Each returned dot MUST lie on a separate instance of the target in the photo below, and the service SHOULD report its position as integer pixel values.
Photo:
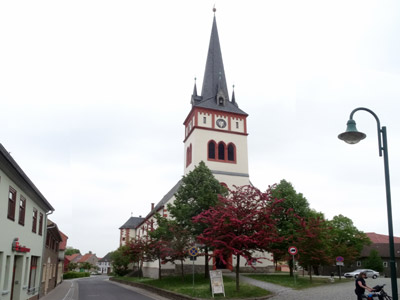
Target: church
(215, 133)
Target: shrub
(70, 275)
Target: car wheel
(374, 276)
(356, 276)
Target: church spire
(214, 75)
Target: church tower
(216, 128)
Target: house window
(231, 152)
(211, 150)
(237, 124)
(358, 263)
(221, 151)
(204, 120)
(34, 220)
(32, 273)
(22, 207)
(12, 196)
(385, 264)
(40, 224)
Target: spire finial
(131, 214)
(214, 9)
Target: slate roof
(214, 80)
(8, 158)
(106, 258)
(165, 199)
(132, 223)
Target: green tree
(72, 266)
(120, 261)
(71, 250)
(374, 261)
(293, 205)
(198, 192)
(346, 240)
(86, 266)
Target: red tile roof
(63, 244)
(381, 238)
(85, 257)
(73, 256)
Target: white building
(216, 133)
(104, 264)
(23, 221)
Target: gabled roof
(74, 257)
(381, 238)
(106, 258)
(6, 157)
(132, 223)
(165, 199)
(53, 229)
(86, 257)
(63, 244)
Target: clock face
(221, 123)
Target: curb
(172, 295)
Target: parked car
(370, 273)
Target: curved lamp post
(353, 136)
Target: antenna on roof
(131, 214)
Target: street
(98, 288)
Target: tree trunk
(290, 263)
(310, 271)
(159, 268)
(183, 276)
(237, 272)
(206, 266)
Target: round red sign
(292, 250)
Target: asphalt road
(100, 288)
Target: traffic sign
(193, 251)
(340, 263)
(340, 259)
(292, 250)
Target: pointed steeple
(214, 75)
(233, 96)
(195, 88)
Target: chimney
(152, 206)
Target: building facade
(215, 132)
(51, 259)
(23, 221)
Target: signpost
(340, 262)
(217, 283)
(293, 251)
(193, 252)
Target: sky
(93, 95)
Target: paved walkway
(67, 290)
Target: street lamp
(353, 136)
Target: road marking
(72, 288)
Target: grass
(201, 286)
(286, 280)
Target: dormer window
(221, 101)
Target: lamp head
(351, 135)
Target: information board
(217, 283)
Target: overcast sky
(93, 97)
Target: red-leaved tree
(313, 242)
(240, 224)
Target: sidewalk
(67, 290)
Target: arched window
(231, 152)
(211, 150)
(189, 155)
(221, 151)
